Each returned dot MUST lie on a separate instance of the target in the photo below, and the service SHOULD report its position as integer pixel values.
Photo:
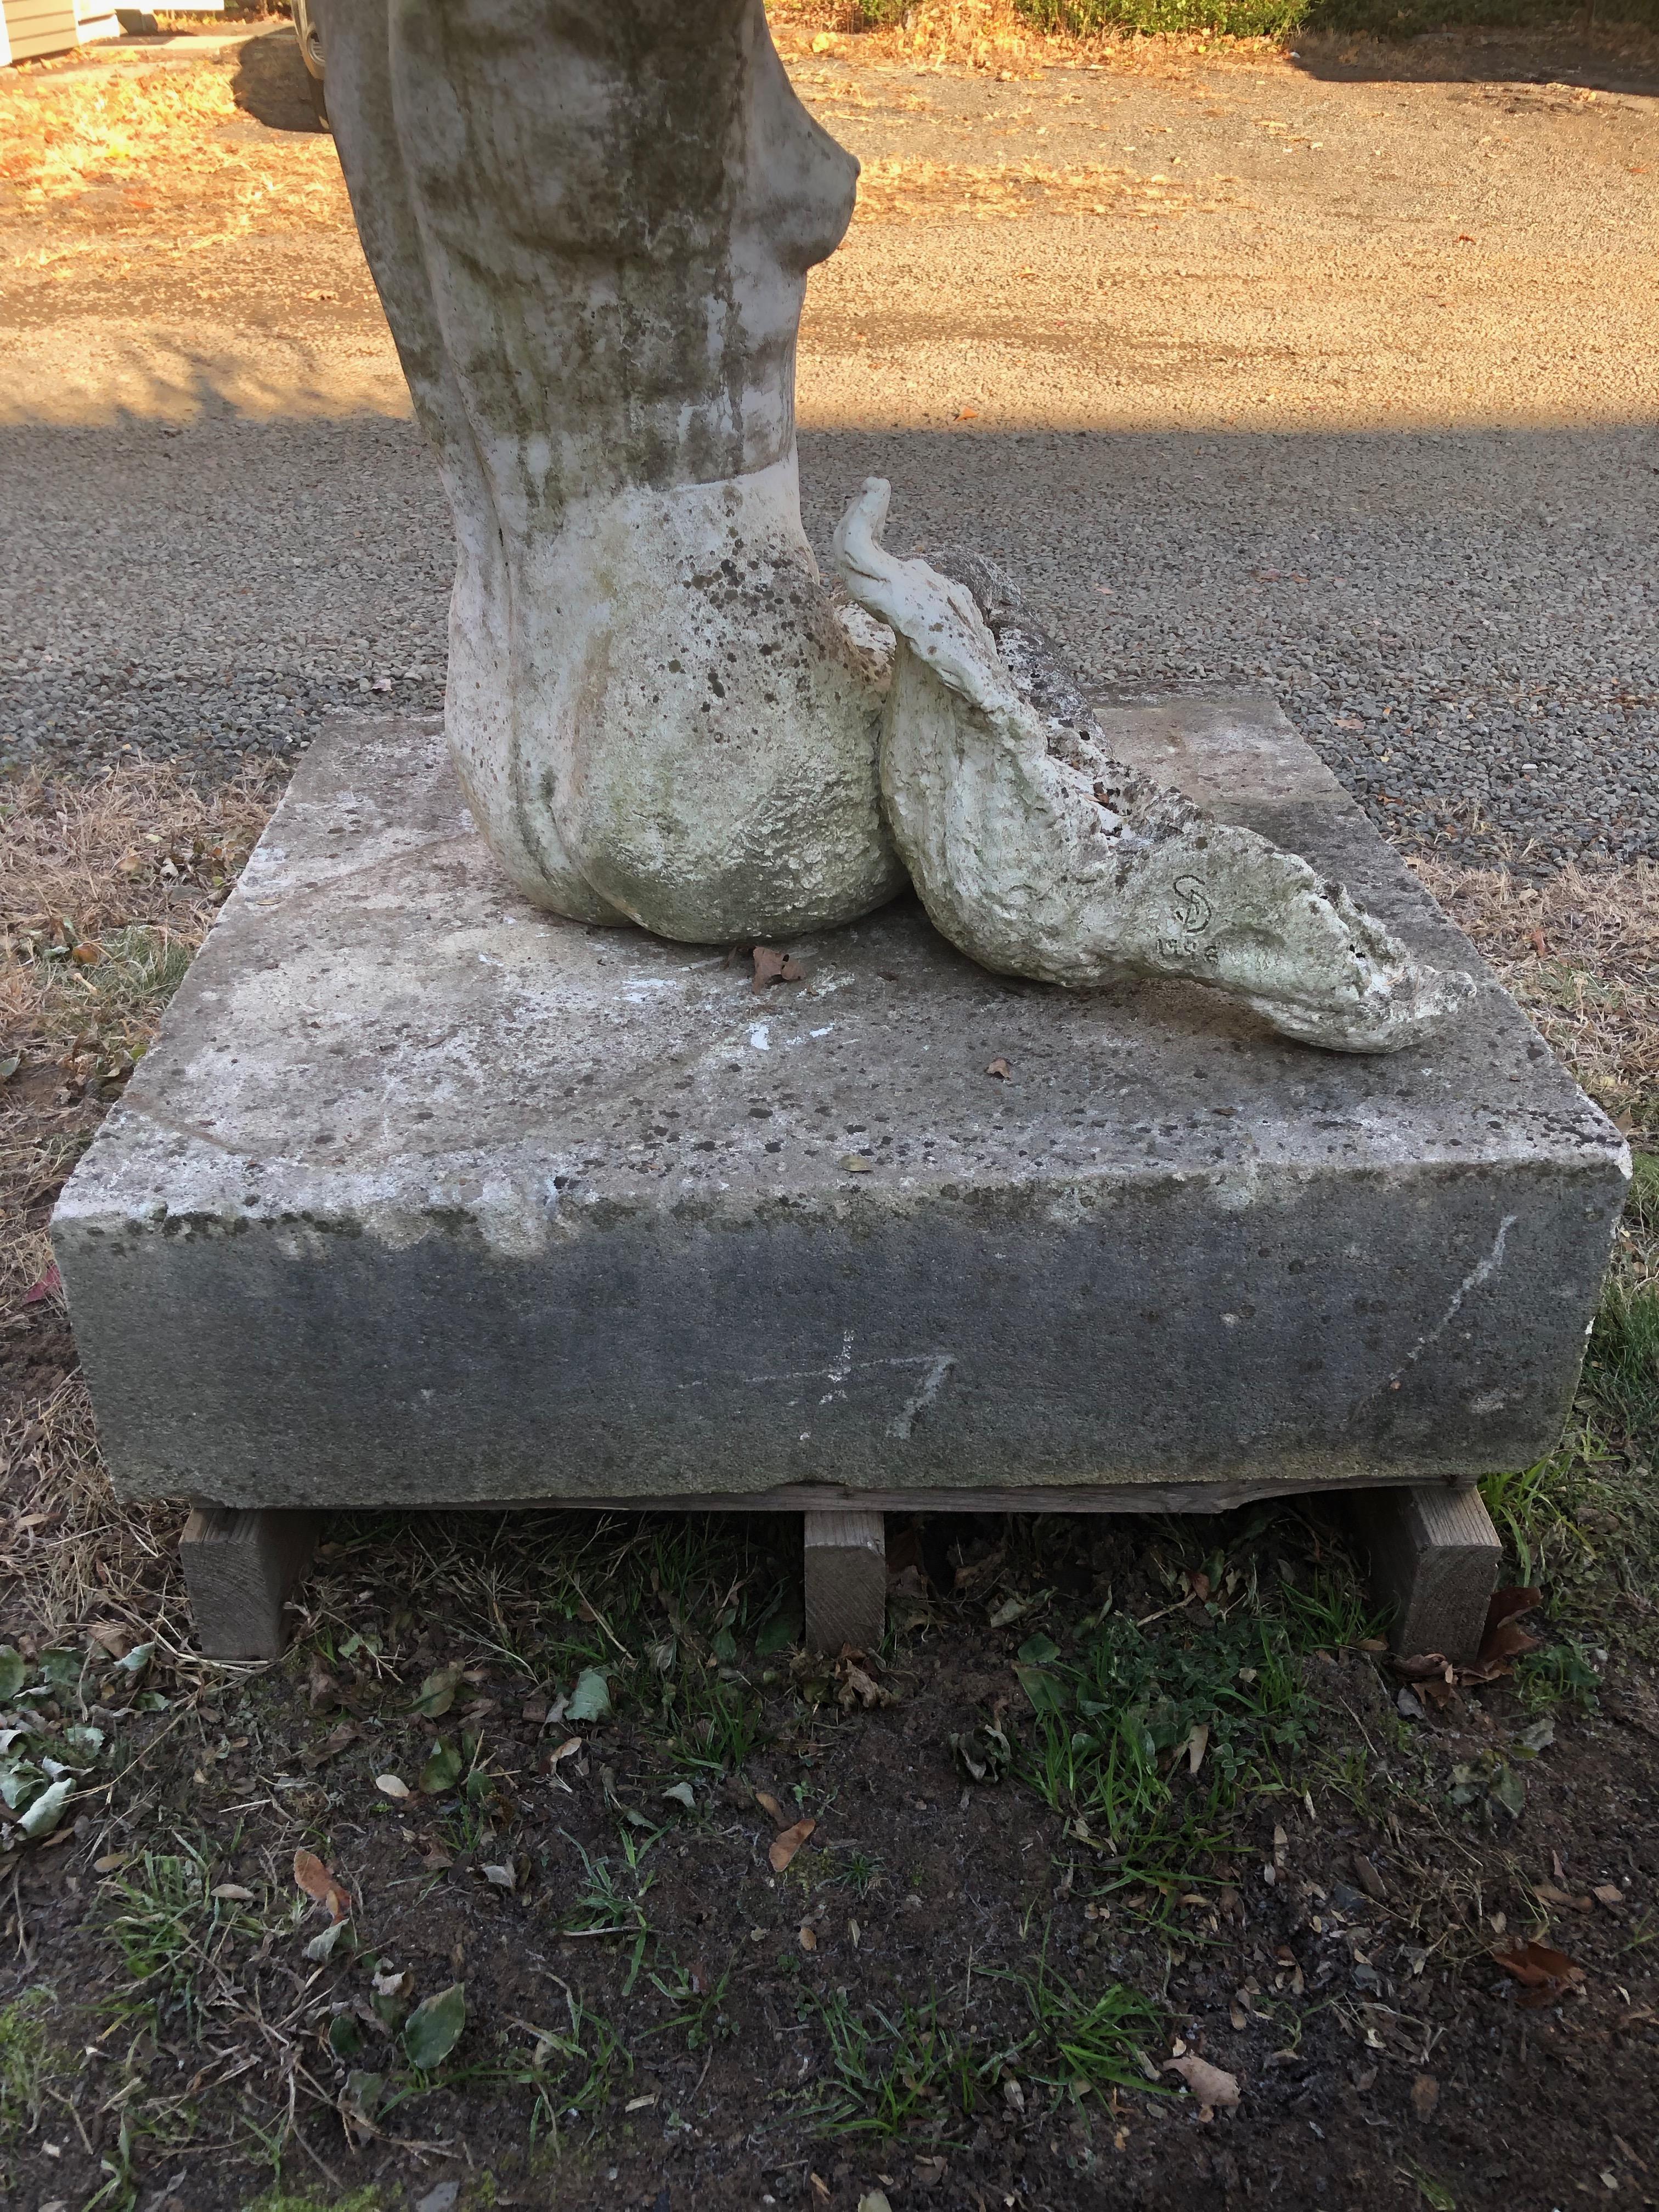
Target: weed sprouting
(1091, 2042)
(572, 2068)
(29, 2061)
(906, 2075)
(1565, 1674)
(1109, 1728)
(172, 1933)
(612, 1904)
(699, 2004)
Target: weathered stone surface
(424, 1196)
(1038, 853)
(591, 223)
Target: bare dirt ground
(1328, 377)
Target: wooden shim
(239, 1567)
(846, 1558)
(1434, 1556)
(1222, 1496)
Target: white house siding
(29, 27)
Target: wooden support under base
(846, 1581)
(239, 1569)
(1434, 1560)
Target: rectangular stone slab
(425, 1197)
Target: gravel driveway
(1268, 376)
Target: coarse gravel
(1465, 627)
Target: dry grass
(105, 891)
(1581, 953)
(984, 35)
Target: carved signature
(1192, 910)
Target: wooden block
(239, 1569)
(1434, 1560)
(846, 1581)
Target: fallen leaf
(819, 2186)
(1548, 1893)
(433, 2028)
(359, 2098)
(1001, 1069)
(438, 1692)
(47, 1809)
(1197, 1744)
(1369, 1881)
(683, 1793)
(392, 1785)
(568, 1749)
(337, 1741)
(1535, 938)
(322, 1947)
(442, 1770)
(873, 2200)
(233, 1892)
(640, 2104)
(591, 1698)
(1507, 1604)
(1210, 2085)
(1426, 2096)
(48, 1286)
(1543, 1972)
(785, 1846)
(315, 1878)
(1610, 1895)
(769, 1805)
(501, 1876)
(808, 1941)
(110, 1636)
(773, 966)
(966, 414)
(856, 1163)
(856, 1687)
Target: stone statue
(591, 223)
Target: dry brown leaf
(1369, 1881)
(785, 1846)
(1211, 2085)
(1543, 1972)
(773, 966)
(315, 1878)
(110, 1636)
(1426, 2096)
(1610, 1895)
(1001, 1069)
(809, 1939)
(1549, 1894)
(769, 1805)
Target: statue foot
(1038, 854)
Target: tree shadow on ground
(269, 84)
(1615, 57)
